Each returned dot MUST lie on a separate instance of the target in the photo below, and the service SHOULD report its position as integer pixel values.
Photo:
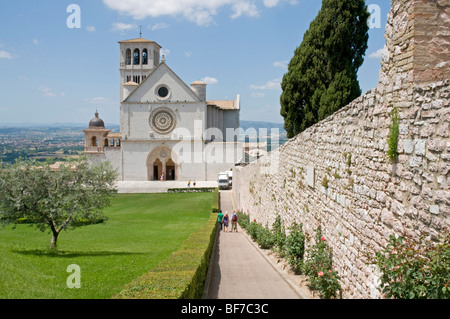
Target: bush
(392, 141)
(216, 201)
(295, 247)
(243, 219)
(318, 266)
(264, 237)
(191, 190)
(326, 283)
(415, 270)
(253, 230)
(279, 234)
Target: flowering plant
(318, 266)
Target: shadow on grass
(71, 254)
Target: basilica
(168, 130)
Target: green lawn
(142, 230)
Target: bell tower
(138, 57)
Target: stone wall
(336, 174)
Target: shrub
(216, 200)
(264, 237)
(295, 247)
(415, 270)
(318, 266)
(253, 230)
(392, 141)
(326, 283)
(243, 219)
(279, 234)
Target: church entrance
(157, 169)
(170, 170)
(160, 164)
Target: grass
(142, 231)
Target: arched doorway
(157, 169)
(170, 170)
(161, 161)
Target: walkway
(239, 270)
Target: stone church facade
(168, 130)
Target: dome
(96, 122)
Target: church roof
(131, 83)
(96, 122)
(139, 40)
(224, 105)
(198, 82)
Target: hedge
(182, 275)
(191, 190)
(216, 200)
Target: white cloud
(200, 12)
(258, 94)
(377, 54)
(98, 100)
(165, 52)
(244, 7)
(271, 3)
(210, 80)
(281, 64)
(47, 92)
(270, 85)
(123, 27)
(5, 55)
(90, 28)
(35, 41)
(159, 26)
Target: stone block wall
(336, 174)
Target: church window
(163, 91)
(145, 56)
(94, 141)
(136, 59)
(128, 57)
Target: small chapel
(168, 130)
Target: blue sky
(52, 73)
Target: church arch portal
(162, 161)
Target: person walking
(189, 184)
(220, 219)
(234, 219)
(225, 222)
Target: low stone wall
(336, 174)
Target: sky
(59, 60)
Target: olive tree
(52, 199)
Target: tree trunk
(54, 239)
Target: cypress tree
(322, 74)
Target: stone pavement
(239, 271)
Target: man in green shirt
(220, 219)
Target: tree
(68, 197)
(322, 74)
